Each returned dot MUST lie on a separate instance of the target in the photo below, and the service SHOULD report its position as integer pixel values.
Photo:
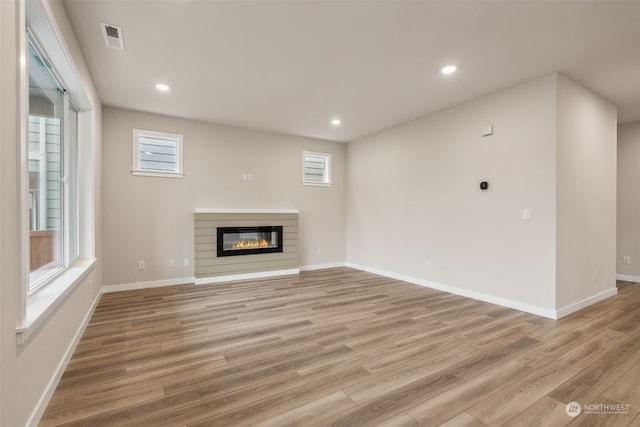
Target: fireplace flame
(253, 243)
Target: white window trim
(35, 307)
(137, 133)
(328, 182)
(46, 299)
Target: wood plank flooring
(342, 347)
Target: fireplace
(212, 263)
(234, 241)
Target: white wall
(628, 232)
(414, 209)
(29, 370)
(151, 219)
(414, 206)
(7, 133)
(586, 195)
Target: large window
(52, 160)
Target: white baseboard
(41, 406)
(634, 279)
(150, 284)
(571, 308)
(246, 276)
(322, 266)
(505, 302)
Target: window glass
(46, 165)
(157, 154)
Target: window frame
(71, 184)
(34, 309)
(67, 259)
(327, 181)
(137, 171)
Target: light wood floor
(344, 347)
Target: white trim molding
(246, 276)
(151, 284)
(245, 211)
(45, 301)
(572, 308)
(624, 278)
(505, 302)
(322, 266)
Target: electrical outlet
(319, 251)
(186, 262)
(595, 275)
(626, 260)
(140, 265)
(172, 263)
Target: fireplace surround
(250, 229)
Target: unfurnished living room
(319, 213)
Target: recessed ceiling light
(163, 87)
(336, 122)
(449, 69)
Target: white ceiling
(292, 66)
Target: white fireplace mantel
(245, 211)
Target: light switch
(526, 214)
(487, 130)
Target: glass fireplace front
(249, 240)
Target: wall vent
(112, 36)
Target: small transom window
(316, 169)
(157, 154)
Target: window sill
(157, 174)
(317, 184)
(45, 301)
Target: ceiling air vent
(112, 36)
